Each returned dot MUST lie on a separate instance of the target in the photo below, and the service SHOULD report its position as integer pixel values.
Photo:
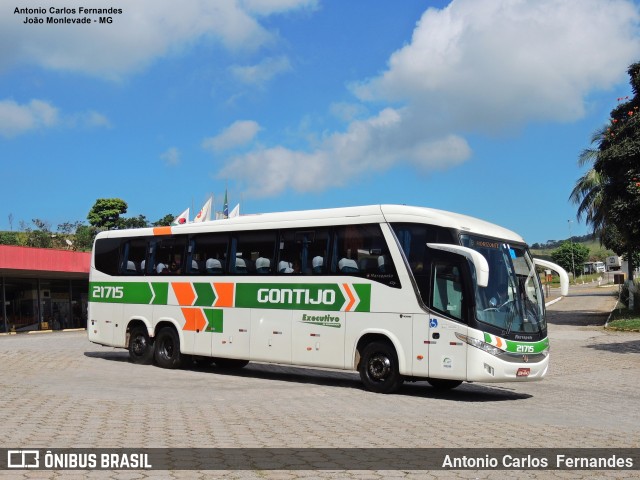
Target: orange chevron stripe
(498, 342)
(352, 299)
(190, 319)
(184, 293)
(224, 293)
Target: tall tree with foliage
(608, 195)
(165, 221)
(571, 256)
(106, 212)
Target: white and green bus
(394, 292)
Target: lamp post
(573, 263)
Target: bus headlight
(485, 347)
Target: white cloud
(368, 146)
(171, 157)
(144, 31)
(262, 72)
(490, 64)
(16, 119)
(347, 111)
(95, 119)
(474, 66)
(237, 134)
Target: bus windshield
(512, 300)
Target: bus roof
(334, 216)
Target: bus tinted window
(168, 255)
(413, 239)
(303, 251)
(448, 297)
(208, 254)
(254, 253)
(362, 250)
(107, 255)
(134, 253)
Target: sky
(480, 107)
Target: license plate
(523, 372)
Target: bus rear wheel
(140, 346)
(167, 349)
(442, 384)
(378, 368)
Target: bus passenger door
(447, 353)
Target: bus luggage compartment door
(271, 335)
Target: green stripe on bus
(526, 347)
(205, 294)
(364, 292)
(300, 296)
(214, 320)
(144, 293)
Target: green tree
(84, 237)
(608, 194)
(105, 213)
(133, 222)
(570, 254)
(41, 237)
(165, 221)
(9, 238)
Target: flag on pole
(235, 212)
(182, 218)
(225, 209)
(204, 214)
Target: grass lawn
(624, 319)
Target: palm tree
(588, 193)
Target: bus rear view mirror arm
(564, 277)
(476, 258)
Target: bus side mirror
(564, 277)
(478, 260)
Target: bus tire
(379, 369)
(140, 346)
(167, 349)
(442, 384)
(230, 363)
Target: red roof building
(43, 288)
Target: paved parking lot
(58, 390)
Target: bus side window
(447, 294)
(255, 253)
(303, 251)
(362, 250)
(107, 255)
(169, 255)
(208, 254)
(134, 253)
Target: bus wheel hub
(379, 367)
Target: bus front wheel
(140, 346)
(167, 349)
(378, 369)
